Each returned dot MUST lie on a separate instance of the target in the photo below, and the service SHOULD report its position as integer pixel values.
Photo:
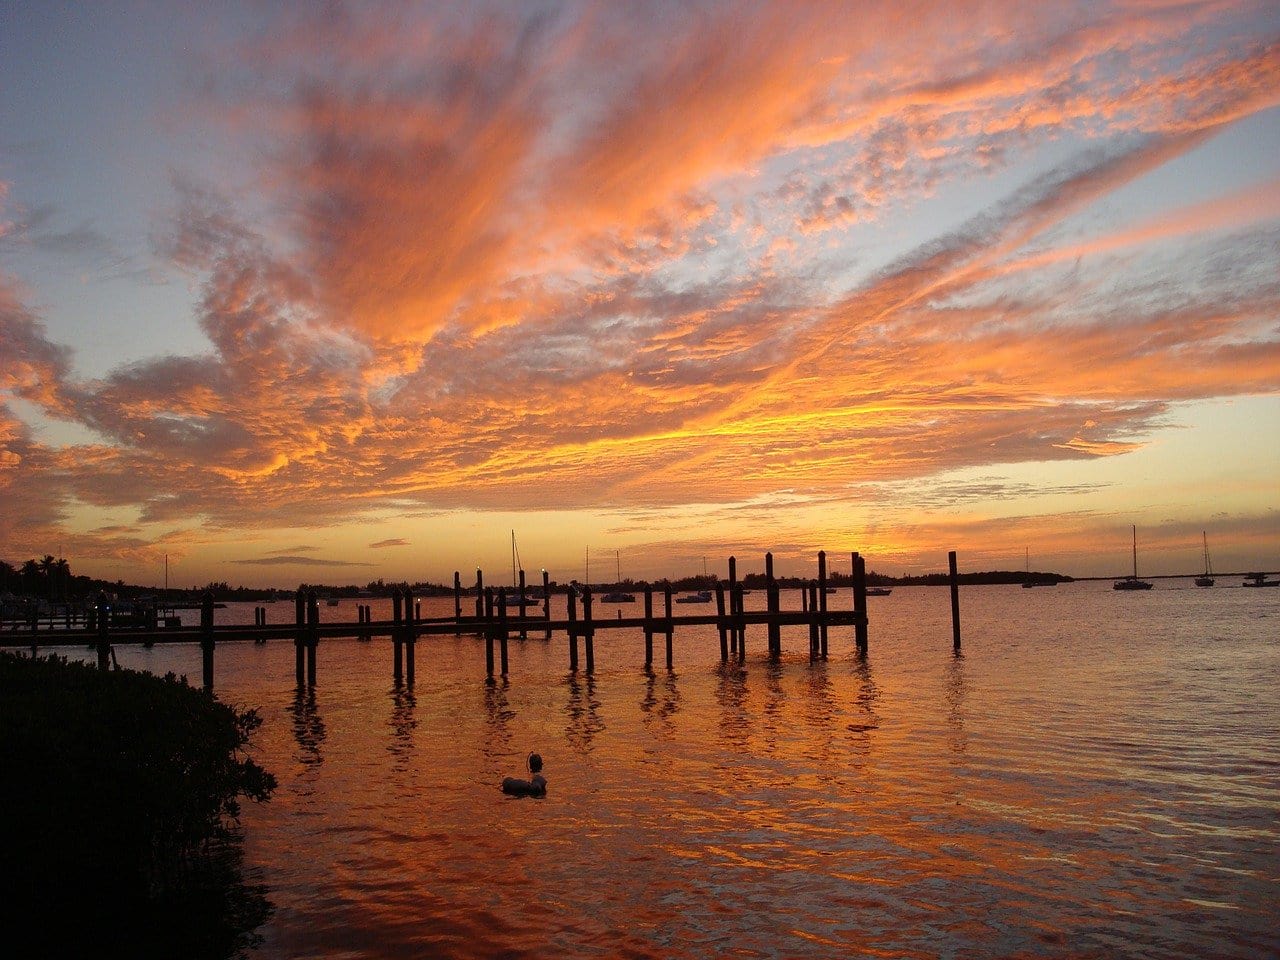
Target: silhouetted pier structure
(492, 621)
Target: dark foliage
(117, 815)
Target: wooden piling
(955, 600)
(720, 623)
(486, 600)
(480, 605)
(815, 615)
(670, 627)
(300, 636)
(648, 626)
(822, 601)
(104, 628)
(742, 627)
(411, 615)
(524, 613)
(503, 633)
(860, 601)
(546, 600)
(457, 603)
(313, 636)
(206, 639)
(735, 627)
(589, 630)
(573, 629)
(397, 618)
(773, 605)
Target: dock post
(666, 596)
(772, 602)
(822, 601)
(720, 622)
(480, 606)
(457, 603)
(397, 617)
(206, 639)
(589, 631)
(300, 636)
(104, 627)
(486, 600)
(313, 636)
(573, 629)
(734, 625)
(648, 626)
(410, 634)
(860, 602)
(524, 612)
(546, 600)
(740, 606)
(502, 626)
(815, 616)
(955, 600)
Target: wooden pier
(496, 626)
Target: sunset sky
(354, 293)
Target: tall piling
(648, 626)
(721, 624)
(411, 615)
(300, 636)
(397, 619)
(103, 614)
(206, 639)
(524, 613)
(733, 605)
(955, 600)
(772, 603)
(572, 600)
(503, 634)
(313, 636)
(589, 630)
(486, 602)
(546, 601)
(822, 601)
(859, 567)
(670, 627)
(457, 603)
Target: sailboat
(1206, 579)
(1036, 581)
(1132, 582)
(515, 598)
(698, 596)
(619, 595)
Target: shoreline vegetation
(51, 581)
(118, 825)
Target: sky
(356, 291)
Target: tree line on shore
(51, 580)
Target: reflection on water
(658, 712)
(956, 695)
(308, 728)
(583, 710)
(1009, 802)
(403, 722)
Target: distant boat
(618, 596)
(879, 591)
(1259, 580)
(1035, 581)
(702, 596)
(515, 598)
(1206, 579)
(1132, 582)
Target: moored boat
(1206, 578)
(1132, 582)
(1259, 580)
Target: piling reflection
(865, 716)
(957, 692)
(732, 695)
(658, 711)
(775, 698)
(497, 708)
(583, 710)
(308, 727)
(403, 722)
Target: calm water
(1097, 775)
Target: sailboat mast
(618, 557)
(1135, 551)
